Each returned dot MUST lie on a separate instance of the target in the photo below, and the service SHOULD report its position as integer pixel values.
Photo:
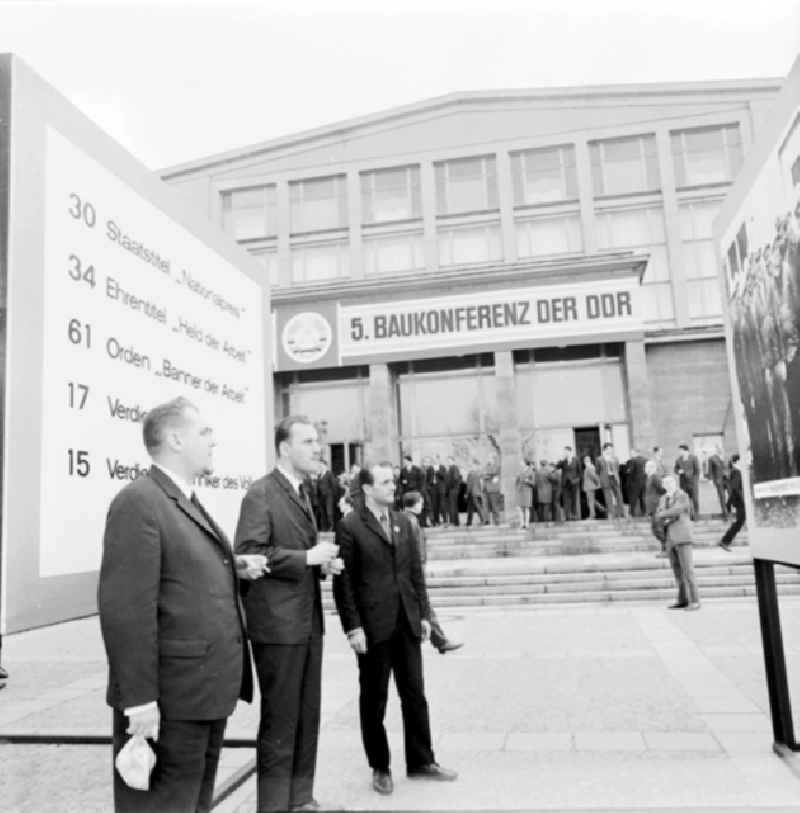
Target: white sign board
(135, 309)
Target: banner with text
(563, 312)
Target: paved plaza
(581, 707)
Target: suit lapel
(371, 521)
(290, 490)
(185, 505)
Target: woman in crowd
(525, 480)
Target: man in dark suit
(328, 491)
(383, 606)
(571, 484)
(735, 502)
(636, 483)
(284, 618)
(170, 617)
(717, 475)
(608, 472)
(687, 467)
(439, 492)
(452, 485)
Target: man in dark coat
(328, 495)
(735, 502)
(439, 493)
(170, 617)
(717, 473)
(383, 606)
(452, 485)
(687, 467)
(571, 484)
(636, 483)
(284, 617)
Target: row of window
(539, 176)
(641, 229)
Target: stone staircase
(578, 562)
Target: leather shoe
(311, 805)
(435, 772)
(677, 606)
(449, 646)
(695, 605)
(382, 782)
(3, 674)
(725, 546)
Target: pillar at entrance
(509, 438)
(380, 443)
(639, 397)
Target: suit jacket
(652, 494)
(689, 468)
(274, 521)
(674, 511)
(570, 470)
(440, 478)
(169, 606)
(634, 471)
(328, 485)
(474, 483)
(492, 478)
(379, 577)
(412, 479)
(453, 478)
(735, 492)
(606, 470)
(716, 469)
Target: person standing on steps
(735, 502)
(591, 483)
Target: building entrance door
(343, 455)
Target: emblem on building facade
(306, 337)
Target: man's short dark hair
(411, 498)
(407, 457)
(656, 449)
(365, 475)
(160, 417)
(683, 446)
(735, 457)
(283, 429)
(608, 445)
(568, 448)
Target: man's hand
(334, 567)
(358, 641)
(322, 553)
(251, 566)
(144, 721)
(426, 629)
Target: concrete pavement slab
(608, 741)
(681, 741)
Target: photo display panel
(137, 310)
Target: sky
(177, 81)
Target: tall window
(319, 262)
(700, 259)
(466, 185)
(544, 176)
(642, 229)
(250, 214)
(318, 204)
(393, 253)
(623, 166)
(706, 155)
(471, 244)
(559, 234)
(390, 194)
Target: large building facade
(506, 272)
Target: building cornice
(485, 98)
(459, 279)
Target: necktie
(387, 531)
